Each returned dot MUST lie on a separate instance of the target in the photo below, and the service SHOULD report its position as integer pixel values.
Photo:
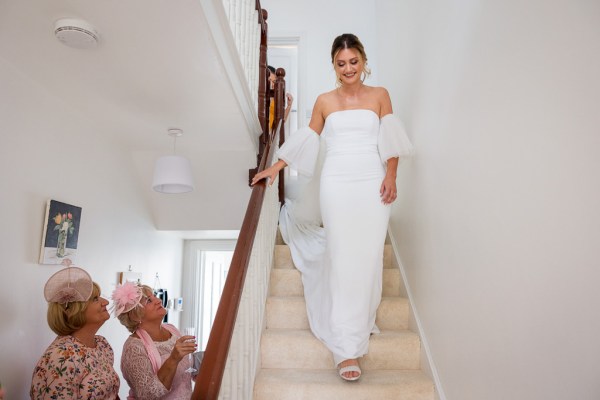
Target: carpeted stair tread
(283, 257)
(303, 384)
(288, 282)
(288, 348)
(289, 312)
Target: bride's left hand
(388, 190)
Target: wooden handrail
(212, 368)
(264, 91)
(279, 120)
(208, 382)
(263, 84)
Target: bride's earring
(363, 75)
(365, 72)
(338, 81)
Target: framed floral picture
(61, 233)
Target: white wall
(318, 23)
(498, 224)
(51, 151)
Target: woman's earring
(365, 72)
(338, 81)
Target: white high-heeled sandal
(349, 368)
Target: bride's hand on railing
(269, 173)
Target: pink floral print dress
(70, 370)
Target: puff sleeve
(392, 140)
(301, 150)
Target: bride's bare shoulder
(378, 92)
(326, 101)
(384, 101)
(327, 97)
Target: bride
(341, 262)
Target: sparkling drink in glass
(190, 331)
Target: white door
(283, 53)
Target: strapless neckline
(353, 109)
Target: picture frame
(130, 276)
(61, 233)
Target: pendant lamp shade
(173, 174)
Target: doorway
(282, 52)
(204, 272)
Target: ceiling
(156, 66)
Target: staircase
(295, 365)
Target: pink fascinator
(126, 297)
(68, 285)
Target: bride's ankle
(347, 362)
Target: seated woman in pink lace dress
(154, 359)
(78, 364)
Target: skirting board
(439, 392)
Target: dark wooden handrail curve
(279, 121)
(212, 368)
(264, 91)
(213, 364)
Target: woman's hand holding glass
(189, 343)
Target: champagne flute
(190, 331)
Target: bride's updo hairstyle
(350, 41)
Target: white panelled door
(204, 273)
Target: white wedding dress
(341, 262)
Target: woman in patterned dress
(78, 364)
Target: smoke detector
(76, 33)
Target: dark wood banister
(263, 87)
(264, 91)
(212, 368)
(208, 382)
(279, 121)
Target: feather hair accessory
(126, 297)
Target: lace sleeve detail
(301, 150)
(137, 371)
(392, 141)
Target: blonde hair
(64, 319)
(131, 319)
(350, 41)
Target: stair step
(286, 313)
(308, 384)
(290, 313)
(288, 348)
(288, 282)
(283, 257)
(279, 238)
